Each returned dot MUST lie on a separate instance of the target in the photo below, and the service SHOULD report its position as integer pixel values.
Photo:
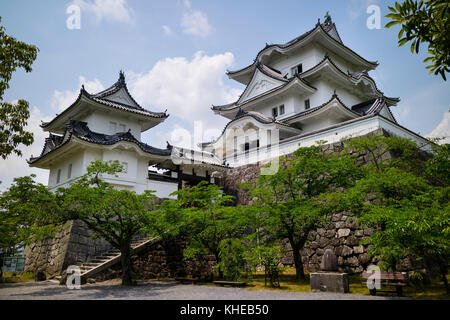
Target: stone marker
(329, 280)
(329, 261)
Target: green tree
(13, 116)
(411, 207)
(425, 22)
(202, 215)
(28, 213)
(292, 202)
(232, 258)
(114, 215)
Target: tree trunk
(299, 271)
(443, 270)
(125, 258)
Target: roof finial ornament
(334, 94)
(327, 17)
(318, 22)
(121, 76)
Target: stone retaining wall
(163, 259)
(341, 234)
(71, 245)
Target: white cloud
(196, 23)
(15, 166)
(187, 88)
(357, 7)
(111, 10)
(187, 4)
(63, 99)
(443, 129)
(167, 30)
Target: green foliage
(438, 167)
(202, 216)
(232, 260)
(115, 215)
(409, 206)
(294, 201)
(13, 116)
(268, 256)
(28, 213)
(425, 22)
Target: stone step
(109, 258)
(89, 264)
(99, 261)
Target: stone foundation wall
(48, 256)
(341, 234)
(163, 259)
(71, 245)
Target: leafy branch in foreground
(425, 22)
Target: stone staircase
(110, 258)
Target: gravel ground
(158, 290)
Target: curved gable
(259, 84)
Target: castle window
(275, 112)
(282, 109)
(307, 104)
(297, 70)
(69, 172)
(58, 176)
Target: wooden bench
(230, 283)
(388, 279)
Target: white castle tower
(309, 89)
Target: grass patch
(288, 283)
(10, 277)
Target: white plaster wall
(344, 65)
(353, 129)
(163, 189)
(77, 169)
(308, 56)
(100, 122)
(130, 157)
(325, 90)
(91, 155)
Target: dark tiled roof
(271, 72)
(354, 75)
(235, 105)
(81, 131)
(303, 113)
(373, 106)
(363, 107)
(255, 115)
(101, 98)
(326, 26)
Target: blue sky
(175, 54)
